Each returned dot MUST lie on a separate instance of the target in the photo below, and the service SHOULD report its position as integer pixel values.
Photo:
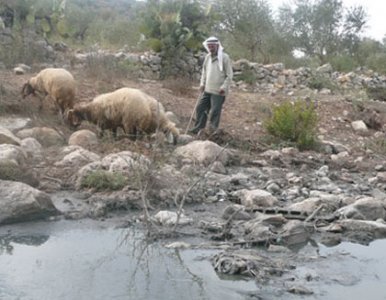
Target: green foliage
(174, 27)
(250, 25)
(376, 93)
(155, 44)
(247, 76)
(103, 180)
(377, 61)
(13, 172)
(10, 171)
(323, 28)
(294, 122)
(319, 81)
(343, 63)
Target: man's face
(212, 48)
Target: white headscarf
(214, 40)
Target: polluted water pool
(94, 260)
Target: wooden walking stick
(194, 110)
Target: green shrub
(343, 63)
(247, 76)
(294, 122)
(13, 172)
(10, 171)
(376, 62)
(103, 180)
(320, 81)
(376, 93)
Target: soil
(242, 117)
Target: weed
(9, 171)
(294, 122)
(377, 145)
(107, 67)
(376, 93)
(101, 180)
(180, 86)
(320, 81)
(13, 172)
(247, 76)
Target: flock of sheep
(130, 109)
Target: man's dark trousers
(208, 103)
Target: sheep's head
(172, 133)
(27, 90)
(73, 117)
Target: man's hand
(222, 92)
(202, 88)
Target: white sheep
(128, 108)
(58, 83)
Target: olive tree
(250, 25)
(323, 28)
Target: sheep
(58, 83)
(131, 109)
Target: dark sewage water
(93, 260)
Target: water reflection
(106, 263)
(90, 261)
(6, 241)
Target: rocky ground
(260, 194)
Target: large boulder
(257, 197)
(76, 157)
(12, 154)
(84, 138)
(367, 208)
(7, 137)
(20, 202)
(45, 136)
(32, 148)
(203, 152)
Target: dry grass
(179, 86)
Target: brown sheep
(58, 83)
(128, 108)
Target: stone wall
(253, 76)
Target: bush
(320, 81)
(377, 145)
(343, 63)
(377, 62)
(247, 76)
(103, 180)
(376, 93)
(294, 122)
(13, 172)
